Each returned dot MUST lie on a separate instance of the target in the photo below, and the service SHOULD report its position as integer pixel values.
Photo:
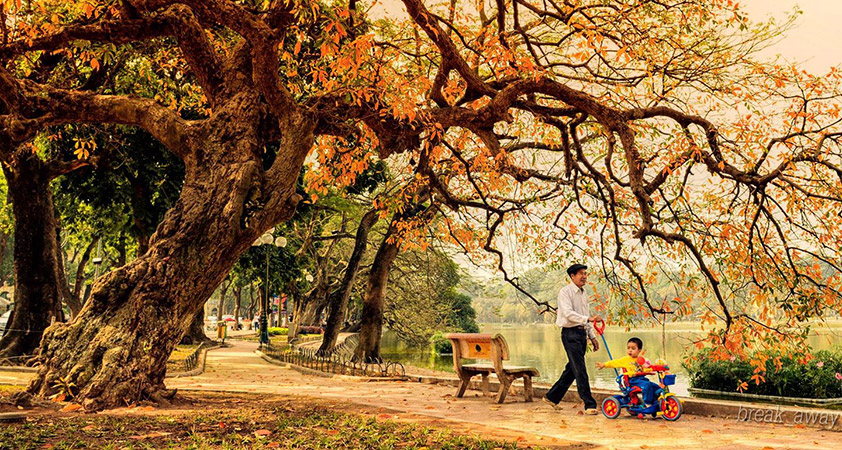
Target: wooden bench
(492, 348)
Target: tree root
(163, 397)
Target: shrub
(820, 377)
(440, 344)
(277, 331)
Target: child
(632, 364)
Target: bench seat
(494, 349)
(506, 368)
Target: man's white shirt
(573, 310)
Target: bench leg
(527, 388)
(505, 382)
(486, 386)
(463, 385)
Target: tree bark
(196, 333)
(338, 300)
(122, 256)
(238, 291)
(251, 307)
(4, 240)
(116, 350)
(73, 298)
(306, 310)
(35, 250)
(80, 279)
(294, 326)
(140, 205)
(221, 304)
(371, 325)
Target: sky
(815, 40)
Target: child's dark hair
(637, 342)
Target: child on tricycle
(657, 399)
(633, 365)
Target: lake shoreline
(539, 346)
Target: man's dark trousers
(575, 341)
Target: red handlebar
(599, 326)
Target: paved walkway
(239, 369)
(15, 377)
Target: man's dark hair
(572, 270)
(637, 342)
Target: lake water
(540, 346)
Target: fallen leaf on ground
(153, 435)
(71, 407)
(262, 433)
(273, 445)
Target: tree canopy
(641, 135)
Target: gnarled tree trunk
(338, 300)
(117, 348)
(196, 333)
(35, 249)
(371, 325)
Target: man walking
(574, 319)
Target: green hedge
(816, 379)
(277, 331)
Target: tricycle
(667, 405)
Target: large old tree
(39, 275)
(600, 116)
(117, 347)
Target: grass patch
(256, 425)
(276, 341)
(181, 352)
(6, 389)
(178, 356)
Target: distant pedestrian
(574, 319)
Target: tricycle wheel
(671, 408)
(611, 408)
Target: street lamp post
(267, 239)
